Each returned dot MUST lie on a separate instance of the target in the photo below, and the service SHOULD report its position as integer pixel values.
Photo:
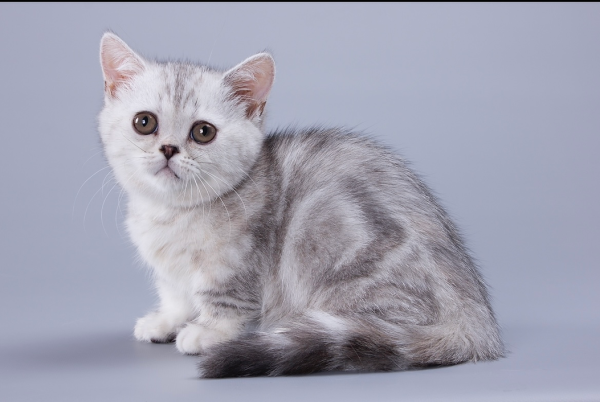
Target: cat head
(180, 133)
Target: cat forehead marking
(181, 82)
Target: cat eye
(145, 123)
(203, 132)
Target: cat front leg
(164, 324)
(207, 331)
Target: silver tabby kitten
(286, 253)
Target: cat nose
(169, 150)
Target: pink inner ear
(252, 80)
(119, 63)
(262, 82)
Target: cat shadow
(86, 351)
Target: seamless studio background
(496, 105)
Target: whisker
(90, 158)
(118, 208)
(102, 208)
(245, 173)
(191, 196)
(134, 144)
(242, 171)
(200, 194)
(225, 206)
(104, 180)
(88, 206)
(211, 51)
(184, 191)
(207, 193)
(78, 191)
(233, 189)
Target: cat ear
(251, 81)
(119, 63)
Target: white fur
(170, 218)
(334, 325)
(195, 337)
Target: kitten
(286, 253)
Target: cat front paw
(156, 327)
(193, 339)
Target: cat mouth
(167, 171)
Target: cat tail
(315, 342)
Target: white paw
(194, 338)
(156, 327)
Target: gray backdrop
(496, 105)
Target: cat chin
(167, 199)
(169, 192)
(166, 173)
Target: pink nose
(169, 150)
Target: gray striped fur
(315, 250)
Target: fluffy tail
(309, 345)
(320, 341)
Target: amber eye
(203, 132)
(145, 123)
